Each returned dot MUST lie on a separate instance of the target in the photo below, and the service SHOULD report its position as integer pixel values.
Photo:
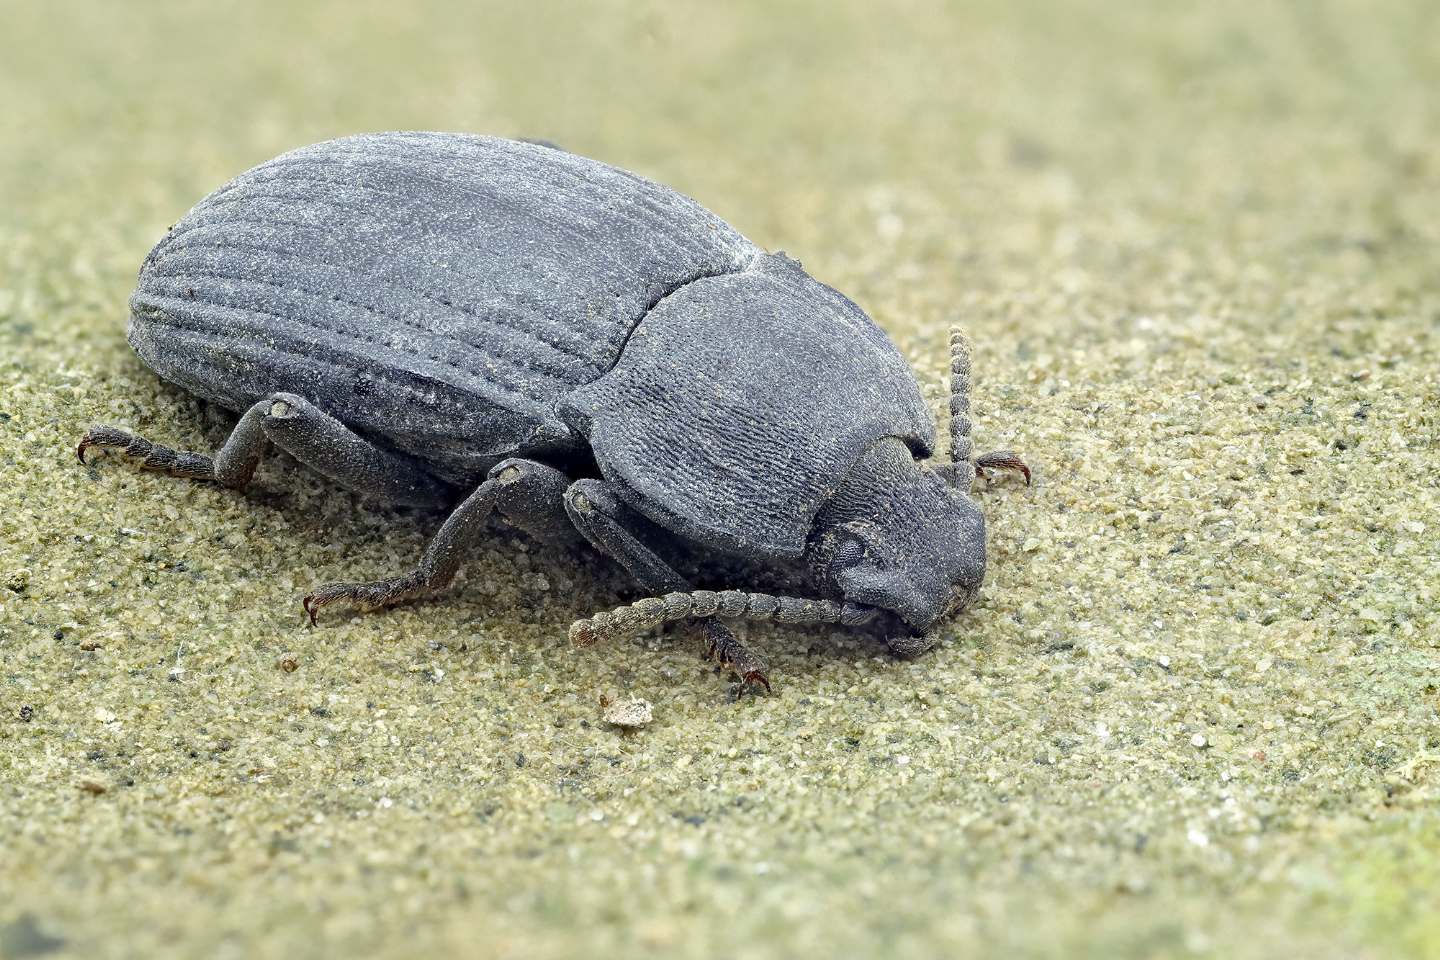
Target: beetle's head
(899, 538)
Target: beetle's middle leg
(528, 494)
(621, 533)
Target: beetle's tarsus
(726, 650)
(371, 595)
(105, 438)
(1001, 460)
(152, 456)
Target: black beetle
(500, 325)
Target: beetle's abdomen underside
(438, 292)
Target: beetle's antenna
(653, 612)
(962, 470)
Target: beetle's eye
(850, 551)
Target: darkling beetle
(501, 326)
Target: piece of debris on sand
(631, 713)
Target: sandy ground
(1194, 712)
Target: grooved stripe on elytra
(495, 392)
(502, 329)
(405, 163)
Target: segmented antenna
(962, 470)
(653, 612)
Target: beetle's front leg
(722, 646)
(527, 494)
(1001, 460)
(622, 534)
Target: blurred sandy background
(1194, 714)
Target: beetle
(503, 327)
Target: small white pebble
(630, 713)
(1198, 740)
(1198, 837)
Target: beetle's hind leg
(299, 428)
(525, 492)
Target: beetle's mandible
(493, 325)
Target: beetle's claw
(312, 604)
(101, 437)
(758, 679)
(324, 596)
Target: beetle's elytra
(498, 325)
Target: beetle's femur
(962, 470)
(653, 612)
